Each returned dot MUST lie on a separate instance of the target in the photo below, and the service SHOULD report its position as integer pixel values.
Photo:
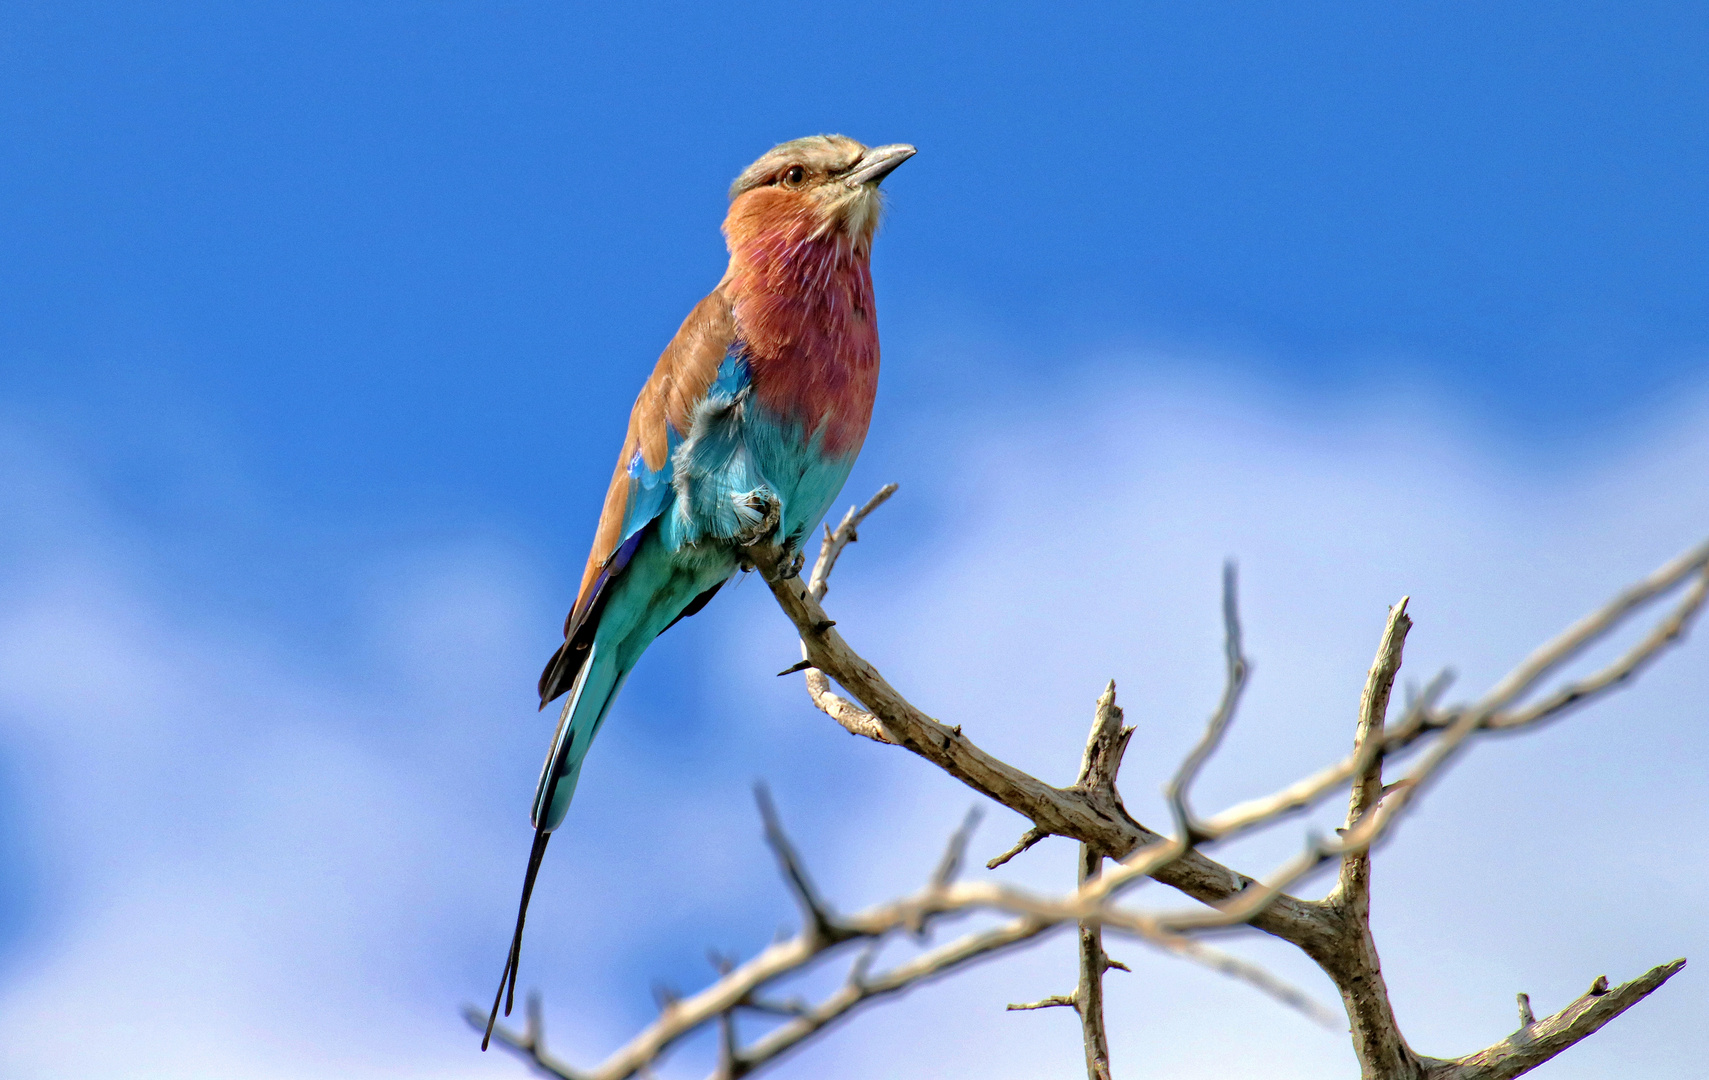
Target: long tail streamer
(507, 982)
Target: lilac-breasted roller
(746, 430)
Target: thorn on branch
(802, 665)
(1117, 965)
(863, 964)
(1599, 987)
(665, 995)
(823, 625)
(1526, 1016)
(1027, 840)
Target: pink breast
(806, 312)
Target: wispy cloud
(247, 863)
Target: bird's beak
(877, 163)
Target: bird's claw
(764, 506)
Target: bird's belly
(796, 467)
(733, 462)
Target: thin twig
(1306, 793)
(529, 1045)
(1083, 812)
(844, 535)
(819, 919)
(1633, 661)
(1055, 1001)
(1353, 889)
(1188, 831)
(1027, 840)
(949, 867)
(1089, 991)
(1358, 973)
(1594, 627)
(1539, 1040)
(1374, 824)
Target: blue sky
(319, 323)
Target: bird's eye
(794, 176)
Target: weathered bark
(1334, 932)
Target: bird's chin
(852, 214)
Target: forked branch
(740, 986)
(1334, 932)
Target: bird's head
(824, 187)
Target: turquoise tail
(654, 590)
(590, 699)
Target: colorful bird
(746, 431)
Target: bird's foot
(760, 513)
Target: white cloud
(1080, 538)
(249, 863)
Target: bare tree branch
(530, 1045)
(739, 984)
(949, 867)
(1578, 637)
(1266, 905)
(1053, 1002)
(1306, 793)
(1354, 886)
(1056, 811)
(1539, 1040)
(852, 717)
(1314, 927)
(1089, 991)
(1635, 660)
(1105, 746)
(817, 918)
(836, 541)
(1334, 932)
(1377, 1039)
(921, 969)
(730, 1064)
(1027, 840)
(1188, 830)
(856, 720)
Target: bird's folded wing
(641, 484)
